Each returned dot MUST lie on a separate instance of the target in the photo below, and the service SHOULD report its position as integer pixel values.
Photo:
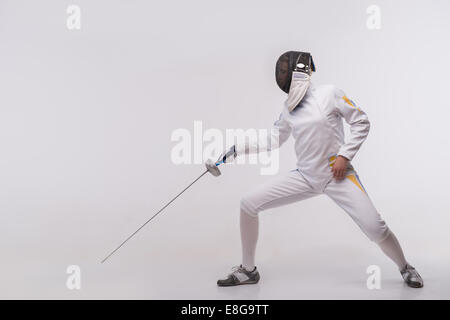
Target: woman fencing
(313, 115)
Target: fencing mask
(293, 75)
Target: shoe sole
(242, 283)
(414, 285)
(237, 284)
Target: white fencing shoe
(238, 276)
(412, 277)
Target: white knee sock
(249, 237)
(391, 247)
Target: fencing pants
(349, 194)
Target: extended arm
(275, 137)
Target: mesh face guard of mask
(289, 62)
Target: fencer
(314, 116)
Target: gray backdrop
(86, 118)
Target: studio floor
(334, 274)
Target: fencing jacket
(317, 127)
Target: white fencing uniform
(317, 127)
